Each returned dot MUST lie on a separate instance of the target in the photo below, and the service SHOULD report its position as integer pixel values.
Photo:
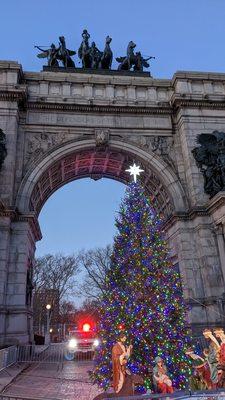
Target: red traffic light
(86, 327)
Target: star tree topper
(134, 170)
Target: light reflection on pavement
(45, 381)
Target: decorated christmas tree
(145, 297)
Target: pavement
(8, 375)
(49, 381)
(46, 381)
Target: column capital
(218, 229)
(32, 220)
(15, 216)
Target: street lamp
(47, 334)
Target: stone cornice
(165, 109)
(13, 94)
(162, 108)
(106, 79)
(33, 222)
(15, 216)
(197, 75)
(185, 216)
(118, 78)
(12, 66)
(216, 202)
(7, 212)
(191, 101)
(213, 204)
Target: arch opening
(78, 159)
(98, 163)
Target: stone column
(4, 254)
(199, 264)
(11, 94)
(18, 319)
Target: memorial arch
(63, 125)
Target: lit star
(134, 170)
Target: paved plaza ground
(45, 381)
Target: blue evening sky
(181, 34)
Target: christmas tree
(145, 297)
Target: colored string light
(144, 298)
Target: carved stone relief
(39, 143)
(160, 145)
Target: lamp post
(47, 333)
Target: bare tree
(95, 263)
(56, 272)
(91, 308)
(67, 312)
(54, 276)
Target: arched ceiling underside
(98, 163)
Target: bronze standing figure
(50, 54)
(84, 50)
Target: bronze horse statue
(127, 62)
(128, 387)
(64, 54)
(107, 55)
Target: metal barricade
(8, 356)
(78, 355)
(54, 353)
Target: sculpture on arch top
(84, 50)
(91, 57)
(210, 158)
(135, 60)
(141, 62)
(53, 54)
(127, 61)
(50, 54)
(64, 54)
(95, 55)
(107, 55)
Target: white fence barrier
(55, 353)
(48, 354)
(8, 356)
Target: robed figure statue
(120, 355)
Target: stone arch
(49, 173)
